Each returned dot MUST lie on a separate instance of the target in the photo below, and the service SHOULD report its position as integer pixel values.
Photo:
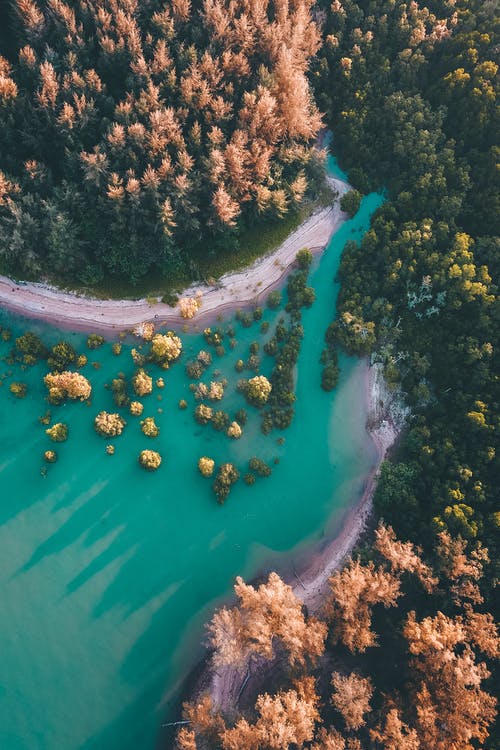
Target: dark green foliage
(350, 202)
(253, 363)
(214, 337)
(194, 369)
(395, 499)
(227, 475)
(304, 258)
(284, 346)
(274, 299)
(246, 318)
(62, 356)
(119, 388)
(241, 417)
(19, 390)
(257, 313)
(330, 373)
(31, 347)
(94, 341)
(220, 420)
(259, 467)
(299, 295)
(416, 114)
(170, 298)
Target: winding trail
(81, 313)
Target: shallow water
(107, 573)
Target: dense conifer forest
(409, 90)
(414, 110)
(133, 134)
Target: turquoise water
(107, 573)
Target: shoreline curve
(386, 417)
(233, 290)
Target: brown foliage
(203, 720)
(351, 697)
(482, 631)
(355, 590)
(225, 207)
(403, 557)
(284, 719)
(270, 611)
(328, 740)
(8, 87)
(186, 739)
(394, 734)
(68, 384)
(462, 570)
(452, 710)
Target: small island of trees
(109, 425)
(150, 460)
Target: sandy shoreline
(233, 290)
(386, 416)
(385, 421)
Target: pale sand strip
(386, 418)
(233, 290)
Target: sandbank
(386, 419)
(75, 312)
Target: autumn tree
(403, 557)
(287, 718)
(156, 128)
(204, 723)
(355, 590)
(351, 697)
(394, 734)
(452, 709)
(461, 567)
(328, 740)
(265, 614)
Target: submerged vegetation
(109, 425)
(58, 432)
(67, 384)
(150, 460)
(149, 427)
(274, 349)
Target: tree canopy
(133, 133)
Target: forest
(396, 661)
(409, 91)
(420, 292)
(136, 136)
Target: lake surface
(107, 573)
